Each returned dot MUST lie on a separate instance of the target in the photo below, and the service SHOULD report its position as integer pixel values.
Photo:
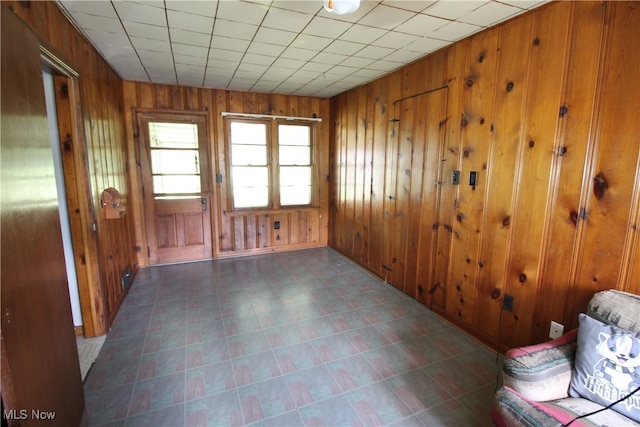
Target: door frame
(142, 116)
(77, 183)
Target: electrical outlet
(555, 330)
(507, 302)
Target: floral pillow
(607, 366)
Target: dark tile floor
(288, 339)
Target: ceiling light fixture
(341, 7)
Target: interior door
(39, 359)
(414, 194)
(175, 171)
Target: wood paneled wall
(545, 108)
(105, 164)
(243, 232)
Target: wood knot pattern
(600, 186)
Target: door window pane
(175, 158)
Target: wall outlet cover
(555, 330)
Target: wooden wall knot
(495, 293)
(469, 82)
(463, 122)
(481, 57)
(573, 216)
(564, 110)
(600, 185)
(532, 143)
(522, 278)
(510, 86)
(536, 41)
(448, 228)
(506, 221)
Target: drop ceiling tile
(325, 27)
(386, 17)
(455, 31)
(395, 40)
(367, 73)
(316, 66)
(189, 37)
(165, 79)
(203, 8)
(354, 61)
(265, 49)
(189, 81)
(228, 43)
(374, 52)
(421, 25)
(405, 56)
(118, 51)
(286, 20)
(235, 30)
(135, 76)
(128, 61)
(137, 12)
(344, 47)
(411, 5)
(490, 14)
(454, 9)
(342, 70)
(196, 61)
(155, 57)
(251, 70)
(219, 73)
(136, 29)
(97, 23)
(308, 7)
(240, 84)
(272, 36)
(277, 73)
(525, 4)
(254, 58)
(225, 55)
(104, 8)
(329, 58)
(362, 34)
(190, 50)
(264, 87)
(150, 44)
(294, 64)
(103, 38)
(239, 11)
(189, 21)
(296, 53)
(385, 66)
(307, 41)
(307, 74)
(426, 45)
(216, 81)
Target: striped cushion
(616, 308)
(542, 372)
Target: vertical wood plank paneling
(475, 132)
(612, 180)
(561, 240)
(537, 148)
(515, 40)
(533, 227)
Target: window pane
(294, 155)
(176, 184)
(173, 135)
(254, 197)
(294, 135)
(295, 185)
(295, 175)
(175, 162)
(295, 195)
(248, 154)
(248, 133)
(250, 176)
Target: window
(175, 159)
(271, 163)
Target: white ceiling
(280, 46)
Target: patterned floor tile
(367, 338)
(333, 347)
(353, 372)
(158, 393)
(331, 412)
(418, 391)
(283, 336)
(453, 377)
(247, 344)
(318, 328)
(296, 357)
(209, 380)
(377, 404)
(390, 361)
(423, 350)
(255, 368)
(450, 413)
(266, 399)
(207, 353)
(311, 385)
(219, 410)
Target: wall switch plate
(555, 330)
(507, 302)
(455, 177)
